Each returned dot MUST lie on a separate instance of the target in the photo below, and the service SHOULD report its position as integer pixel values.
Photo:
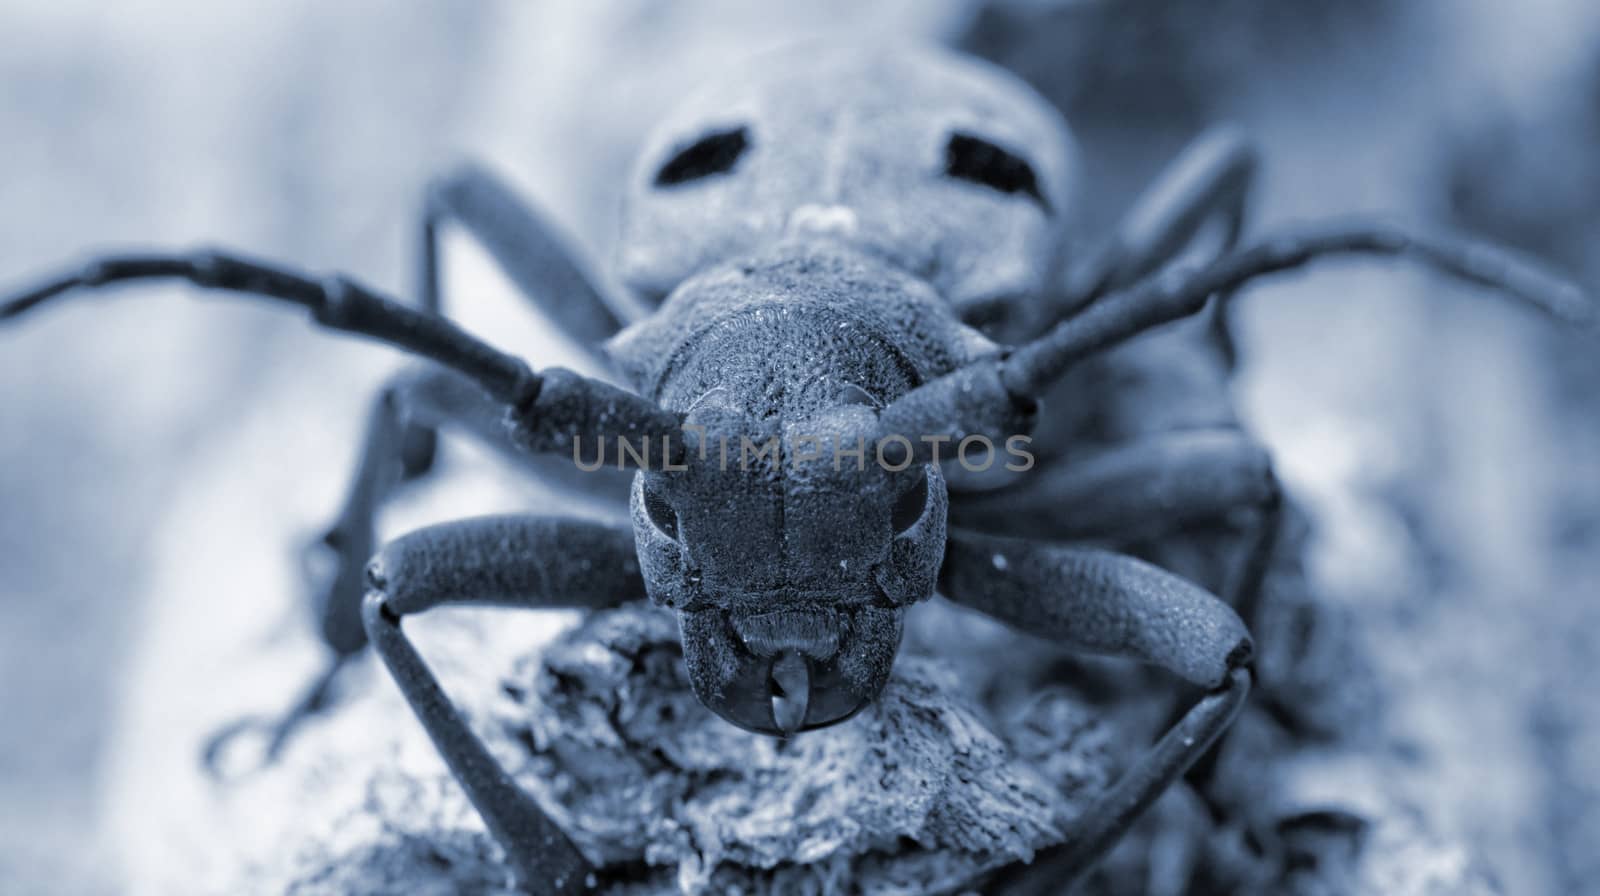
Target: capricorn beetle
(855, 248)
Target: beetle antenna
(334, 302)
(997, 396)
(1169, 296)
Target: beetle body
(945, 167)
(835, 242)
(813, 547)
(820, 222)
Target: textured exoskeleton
(862, 290)
(854, 144)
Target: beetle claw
(275, 731)
(217, 748)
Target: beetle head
(947, 167)
(788, 550)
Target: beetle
(859, 290)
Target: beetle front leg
(1146, 489)
(431, 397)
(421, 397)
(520, 561)
(1107, 603)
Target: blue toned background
(1449, 448)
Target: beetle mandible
(855, 259)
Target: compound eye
(991, 317)
(971, 158)
(909, 507)
(661, 514)
(850, 393)
(714, 153)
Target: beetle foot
(221, 761)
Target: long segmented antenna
(334, 302)
(1167, 297)
(994, 397)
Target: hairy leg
(1141, 489)
(423, 396)
(1107, 603)
(533, 562)
(528, 248)
(1144, 490)
(1147, 490)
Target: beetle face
(790, 573)
(945, 167)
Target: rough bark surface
(917, 794)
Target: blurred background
(1448, 447)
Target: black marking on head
(850, 393)
(714, 153)
(971, 158)
(661, 514)
(912, 503)
(991, 316)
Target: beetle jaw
(788, 671)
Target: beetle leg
(527, 247)
(426, 396)
(430, 397)
(530, 249)
(1139, 489)
(1145, 490)
(277, 731)
(1107, 603)
(1060, 868)
(1212, 177)
(520, 561)
(1111, 604)
(1142, 490)
(540, 412)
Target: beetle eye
(661, 514)
(975, 159)
(990, 317)
(912, 502)
(850, 393)
(714, 153)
